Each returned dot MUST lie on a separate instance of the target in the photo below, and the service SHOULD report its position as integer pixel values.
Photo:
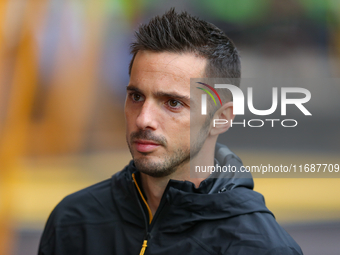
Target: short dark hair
(180, 33)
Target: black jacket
(222, 216)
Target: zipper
(153, 220)
(144, 245)
(141, 194)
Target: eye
(136, 97)
(174, 103)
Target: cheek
(197, 122)
(129, 121)
(131, 113)
(127, 116)
(179, 132)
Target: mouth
(145, 145)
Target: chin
(153, 168)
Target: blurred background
(63, 73)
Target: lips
(145, 146)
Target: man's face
(157, 110)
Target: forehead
(167, 70)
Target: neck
(155, 187)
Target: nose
(146, 118)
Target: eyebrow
(133, 88)
(160, 93)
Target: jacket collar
(220, 196)
(218, 181)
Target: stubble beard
(170, 162)
(165, 166)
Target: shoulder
(260, 233)
(254, 227)
(253, 233)
(80, 207)
(85, 204)
(91, 204)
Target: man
(154, 205)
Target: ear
(222, 119)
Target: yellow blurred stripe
(299, 200)
(41, 186)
